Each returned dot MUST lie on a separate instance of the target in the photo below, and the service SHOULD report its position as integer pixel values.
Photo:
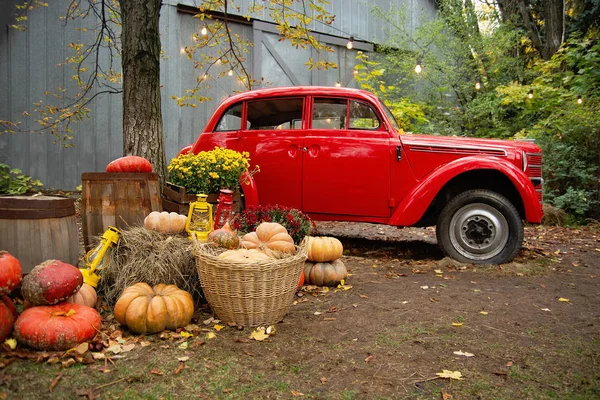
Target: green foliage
(12, 181)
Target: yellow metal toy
(95, 259)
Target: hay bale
(554, 216)
(147, 256)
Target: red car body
(336, 154)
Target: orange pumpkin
(324, 249)
(324, 274)
(244, 255)
(269, 236)
(165, 222)
(86, 296)
(145, 309)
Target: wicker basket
(250, 294)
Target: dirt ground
(528, 329)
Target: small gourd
(165, 222)
(324, 274)
(269, 236)
(224, 237)
(86, 296)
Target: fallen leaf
(405, 302)
(156, 372)
(463, 353)
(183, 359)
(371, 357)
(329, 319)
(446, 395)
(509, 364)
(82, 348)
(12, 343)
(545, 309)
(128, 347)
(317, 313)
(425, 287)
(457, 323)
(297, 394)
(115, 349)
(438, 271)
(211, 335)
(450, 374)
(55, 382)
(185, 334)
(434, 300)
(323, 380)
(180, 368)
(363, 296)
(483, 312)
(218, 327)
(70, 362)
(98, 356)
(564, 300)
(258, 334)
(270, 330)
(183, 346)
(443, 286)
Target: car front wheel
(481, 227)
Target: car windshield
(390, 116)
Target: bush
(12, 181)
(296, 222)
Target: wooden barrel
(38, 228)
(116, 199)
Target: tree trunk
(553, 24)
(142, 118)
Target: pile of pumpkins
(58, 311)
(323, 266)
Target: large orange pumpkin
(324, 249)
(146, 309)
(165, 222)
(129, 164)
(324, 274)
(57, 327)
(10, 273)
(269, 236)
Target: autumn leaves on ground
(407, 323)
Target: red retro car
(336, 154)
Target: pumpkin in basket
(146, 309)
(269, 236)
(224, 237)
(324, 249)
(324, 274)
(244, 255)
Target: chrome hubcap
(478, 231)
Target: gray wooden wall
(29, 68)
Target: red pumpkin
(51, 282)
(224, 237)
(58, 327)
(8, 315)
(129, 164)
(10, 273)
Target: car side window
(362, 116)
(329, 113)
(231, 119)
(280, 114)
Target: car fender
(186, 150)
(250, 190)
(414, 205)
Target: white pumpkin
(165, 222)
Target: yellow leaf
(450, 374)
(183, 346)
(438, 271)
(457, 323)
(218, 327)
(564, 300)
(211, 335)
(186, 334)
(12, 343)
(258, 334)
(483, 312)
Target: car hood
(455, 144)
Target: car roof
(300, 90)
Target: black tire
(480, 227)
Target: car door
(274, 138)
(346, 167)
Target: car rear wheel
(481, 227)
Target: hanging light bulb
(230, 72)
(530, 94)
(350, 43)
(418, 67)
(204, 31)
(477, 84)
(579, 99)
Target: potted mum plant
(206, 172)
